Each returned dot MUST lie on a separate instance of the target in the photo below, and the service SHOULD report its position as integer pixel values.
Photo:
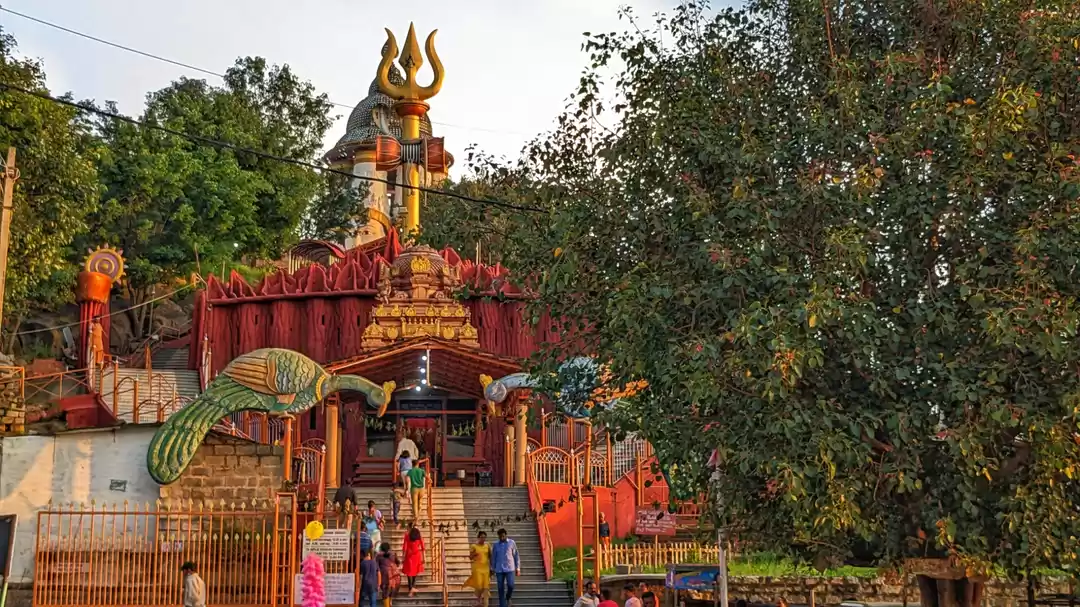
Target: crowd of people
(633, 596)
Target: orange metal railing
(131, 554)
(536, 504)
(442, 574)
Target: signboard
(340, 589)
(332, 546)
(654, 522)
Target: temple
(283, 391)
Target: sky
(510, 64)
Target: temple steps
(166, 390)
(171, 359)
(457, 512)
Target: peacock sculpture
(270, 380)
(581, 382)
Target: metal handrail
(536, 503)
(445, 586)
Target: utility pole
(10, 176)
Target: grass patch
(760, 565)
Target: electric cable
(229, 146)
(110, 314)
(206, 71)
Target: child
(369, 580)
(396, 495)
(404, 465)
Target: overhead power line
(229, 146)
(201, 70)
(127, 309)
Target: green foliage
(337, 211)
(173, 204)
(841, 246)
(502, 235)
(57, 188)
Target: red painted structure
(323, 311)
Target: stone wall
(833, 591)
(231, 470)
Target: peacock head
(377, 396)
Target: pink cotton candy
(314, 581)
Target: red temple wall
(331, 329)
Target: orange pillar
(288, 444)
(333, 444)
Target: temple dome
(373, 116)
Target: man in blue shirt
(505, 563)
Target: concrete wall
(885, 590)
(104, 466)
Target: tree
(497, 234)
(338, 210)
(58, 187)
(174, 204)
(840, 243)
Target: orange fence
(657, 555)
(248, 554)
(536, 504)
(131, 555)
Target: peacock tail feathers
(176, 441)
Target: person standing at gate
(506, 564)
(369, 580)
(412, 555)
(194, 587)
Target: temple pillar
(521, 439)
(333, 443)
(376, 202)
(92, 294)
(287, 442)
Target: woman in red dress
(412, 556)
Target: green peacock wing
(176, 441)
(293, 371)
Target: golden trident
(410, 61)
(410, 106)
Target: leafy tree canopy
(58, 187)
(840, 242)
(172, 203)
(338, 210)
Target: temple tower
(355, 152)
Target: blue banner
(703, 579)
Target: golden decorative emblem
(411, 60)
(448, 333)
(468, 331)
(420, 265)
(410, 311)
(106, 260)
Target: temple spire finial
(410, 103)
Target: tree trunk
(963, 592)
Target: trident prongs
(410, 61)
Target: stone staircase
(458, 512)
(173, 359)
(166, 388)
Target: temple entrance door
(425, 428)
